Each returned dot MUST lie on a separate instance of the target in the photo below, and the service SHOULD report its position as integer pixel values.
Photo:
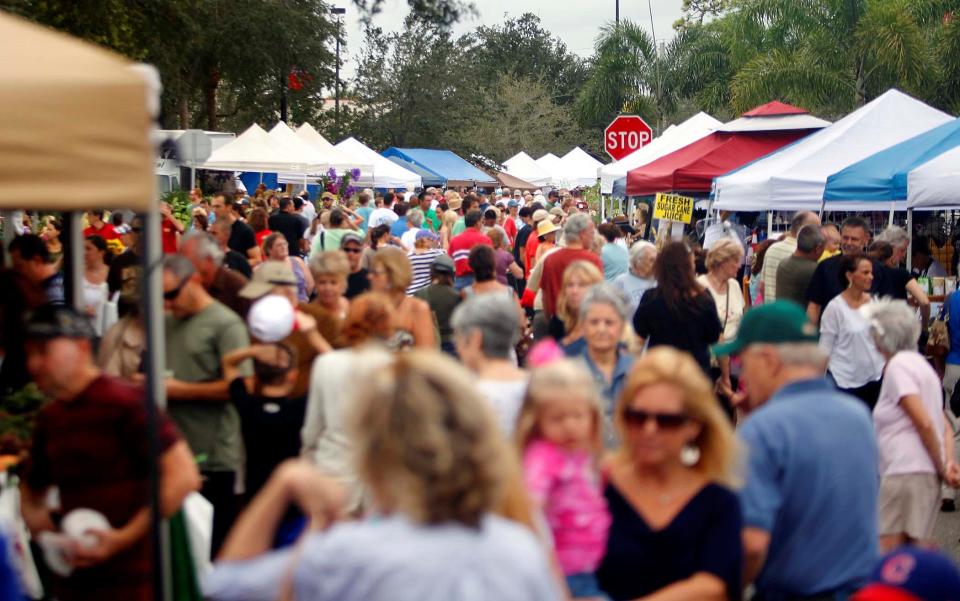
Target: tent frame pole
(909, 239)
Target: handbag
(938, 342)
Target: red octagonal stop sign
(626, 134)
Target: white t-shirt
(381, 216)
(506, 397)
(845, 337)
(899, 443)
(409, 237)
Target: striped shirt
(460, 247)
(420, 264)
(775, 254)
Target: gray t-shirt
(391, 558)
(793, 277)
(195, 350)
(633, 287)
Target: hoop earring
(690, 455)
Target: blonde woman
(436, 534)
(578, 278)
(723, 264)
(330, 270)
(390, 274)
(667, 488)
(446, 229)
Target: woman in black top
(679, 312)
(676, 526)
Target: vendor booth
(449, 169)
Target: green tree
(518, 114)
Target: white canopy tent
(282, 134)
(255, 150)
(338, 159)
(579, 168)
(673, 138)
(936, 184)
(386, 173)
(522, 165)
(551, 164)
(794, 177)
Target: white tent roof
(936, 184)
(523, 166)
(794, 177)
(254, 150)
(673, 138)
(338, 159)
(386, 173)
(775, 123)
(282, 134)
(579, 168)
(551, 164)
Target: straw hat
(539, 215)
(545, 227)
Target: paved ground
(947, 533)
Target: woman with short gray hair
(639, 278)
(604, 314)
(486, 329)
(914, 438)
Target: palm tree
(831, 55)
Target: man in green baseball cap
(810, 498)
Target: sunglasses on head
(665, 421)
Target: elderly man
(578, 233)
(781, 250)
(795, 272)
(639, 278)
(461, 245)
(900, 282)
(223, 284)
(200, 331)
(810, 499)
(90, 444)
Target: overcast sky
(576, 22)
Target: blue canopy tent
(429, 177)
(882, 177)
(450, 168)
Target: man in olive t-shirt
(199, 332)
(795, 272)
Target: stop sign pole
(626, 134)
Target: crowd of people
(487, 396)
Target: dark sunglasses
(665, 421)
(353, 251)
(175, 292)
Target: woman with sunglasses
(667, 488)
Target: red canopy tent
(692, 168)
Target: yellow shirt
(826, 255)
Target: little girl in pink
(559, 434)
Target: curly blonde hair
(427, 444)
(584, 270)
(722, 251)
(562, 377)
(716, 441)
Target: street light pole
(618, 11)
(339, 11)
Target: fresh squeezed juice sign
(673, 207)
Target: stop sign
(626, 134)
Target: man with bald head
(781, 250)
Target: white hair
(605, 293)
(893, 324)
(894, 235)
(639, 249)
(799, 354)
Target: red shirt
(106, 232)
(553, 267)
(168, 233)
(510, 226)
(460, 247)
(94, 448)
(530, 251)
(261, 236)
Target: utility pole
(339, 11)
(618, 11)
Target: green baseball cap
(780, 322)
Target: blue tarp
(883, 176)
(429, 177)
(443, 164)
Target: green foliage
(179, 201)
(17, 414)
